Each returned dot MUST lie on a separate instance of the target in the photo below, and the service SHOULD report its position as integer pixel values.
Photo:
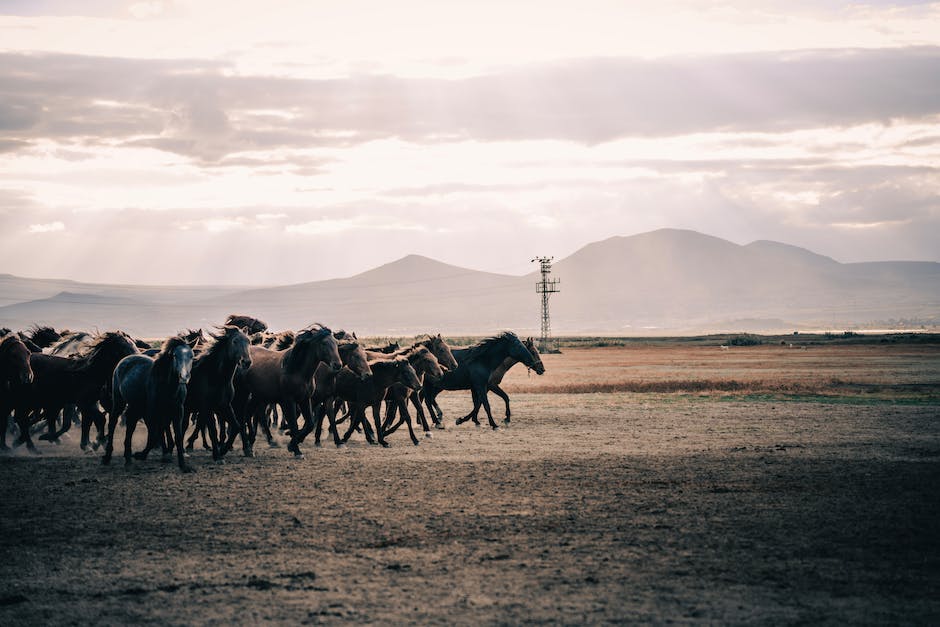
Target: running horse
(152, 389)
(15, 377)
(285, 378)
(475, 366)
(211, 389)
(60, 382)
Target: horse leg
(377, 419)
(391, 409)
(473, 413)
(226, 416)
(90, 415)
(486, 407)
(419, 411)
(117, 409)
(437, 416)
(130, 424)
(197, 427)
(154, 435)
(354, 419)
(406, 418)
(4, 425)
(498, 391)
(289, 408)
(179, 434)
(265, 420)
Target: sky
(226, 142)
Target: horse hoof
(506, 422)
(415, 442)
(189, 447)
(428, 434)
(273, 444)
(385, 444)
(340, 445)
(439, 425)
(187, 469)
(495, 427)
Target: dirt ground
(590, 508)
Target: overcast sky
(212, 141)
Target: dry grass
(883, 369)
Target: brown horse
(286, 378)
(360, 394)
(355, 362)
(445, 357)
(15, 377)
(426, 365)
(59, 382)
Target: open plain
(647, 483)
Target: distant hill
(662, 281)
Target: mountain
(667, 280)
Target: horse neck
(493, 357)
(308, 366)
(504, 366)
(384, 373)
(218, 366)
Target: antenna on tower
(546, 287)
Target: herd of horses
(229, 383)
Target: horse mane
(43, 336)
(104, 344)
(216, 342)
(249, 324)
(295, 356)
(483, 347)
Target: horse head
(354, 357)
(406, 374)
(425, 361)
(539, 368)
(518, 351)
(442, 352)
(14, 361)
(236, 344)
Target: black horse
(15, 377)
(475, 366)
(155, 390)
(210, 387)
(60, 382)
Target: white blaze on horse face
(184, 358)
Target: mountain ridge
(669, 279)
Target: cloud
(334, 226)
(50, 227)
(195, 109)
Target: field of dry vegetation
(645, 483)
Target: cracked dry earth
(591, 508)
